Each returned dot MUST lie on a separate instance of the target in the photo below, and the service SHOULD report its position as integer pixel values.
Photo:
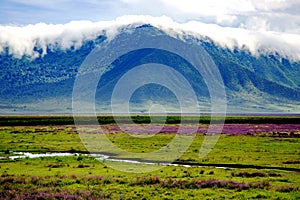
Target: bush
(248, 174)
(286, 188)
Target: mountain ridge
(253, 82)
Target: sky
(254, 23)
(276, 15)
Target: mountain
(253, 84)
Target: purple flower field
(280, 130)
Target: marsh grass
(239, 149)
(84, 177)
(33, 180)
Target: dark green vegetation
(259, 166)
(140, 119)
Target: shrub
(149, 180)
(286, 188)
(83, 166)
(56, 165)
(211, 173)
(248, 174)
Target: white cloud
(211, 7)
(270, 15)
(279, 15)
(21, 40)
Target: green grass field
(258, 166)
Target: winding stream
(100, 157)
(104, 157)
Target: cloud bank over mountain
(33, 40)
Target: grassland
(258, 166)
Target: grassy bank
(262, 161)
(260, 150)
(83, 177)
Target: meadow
(255, 158)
